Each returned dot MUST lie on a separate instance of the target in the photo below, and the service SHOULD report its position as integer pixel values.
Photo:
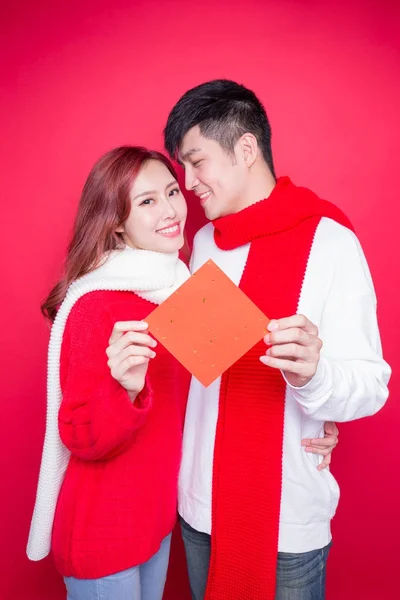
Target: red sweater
(119, 496)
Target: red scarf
(247, 472)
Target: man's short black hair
(224, 110)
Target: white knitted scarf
(151, 275)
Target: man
(255, 511)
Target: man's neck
(260, 186)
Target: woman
(121, 419)
(106, 501)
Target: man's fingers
(282, 364)
(303, 369)
(290, 351)
(122, 327)
(299, 321)
(292, 335)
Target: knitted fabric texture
(151, 275)
(247, 470)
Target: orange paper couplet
(208, 323)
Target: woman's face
(158, 211)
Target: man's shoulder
(334, 238)
(336, 249)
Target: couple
(255, 501)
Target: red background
(81, 78)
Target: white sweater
(351, 382)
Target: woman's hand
(129, 353)
(324, 446)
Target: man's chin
(211, 214)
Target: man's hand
(325, 445)
(294, 348)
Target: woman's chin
(168, 245)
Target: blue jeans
(298, 576)
(144, 582)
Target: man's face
(216, 177)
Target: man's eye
(197, 162)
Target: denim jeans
(144, 582)
(298, 576)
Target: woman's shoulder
(108, 306)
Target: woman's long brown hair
(104, 206)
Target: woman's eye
(146, 201)
(174, 192)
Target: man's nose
(191, 180)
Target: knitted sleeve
(352, 376)
(97, 419)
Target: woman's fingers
(130, 338)
(130, 350)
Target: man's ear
(249, 147)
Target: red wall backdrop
(81, 78)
